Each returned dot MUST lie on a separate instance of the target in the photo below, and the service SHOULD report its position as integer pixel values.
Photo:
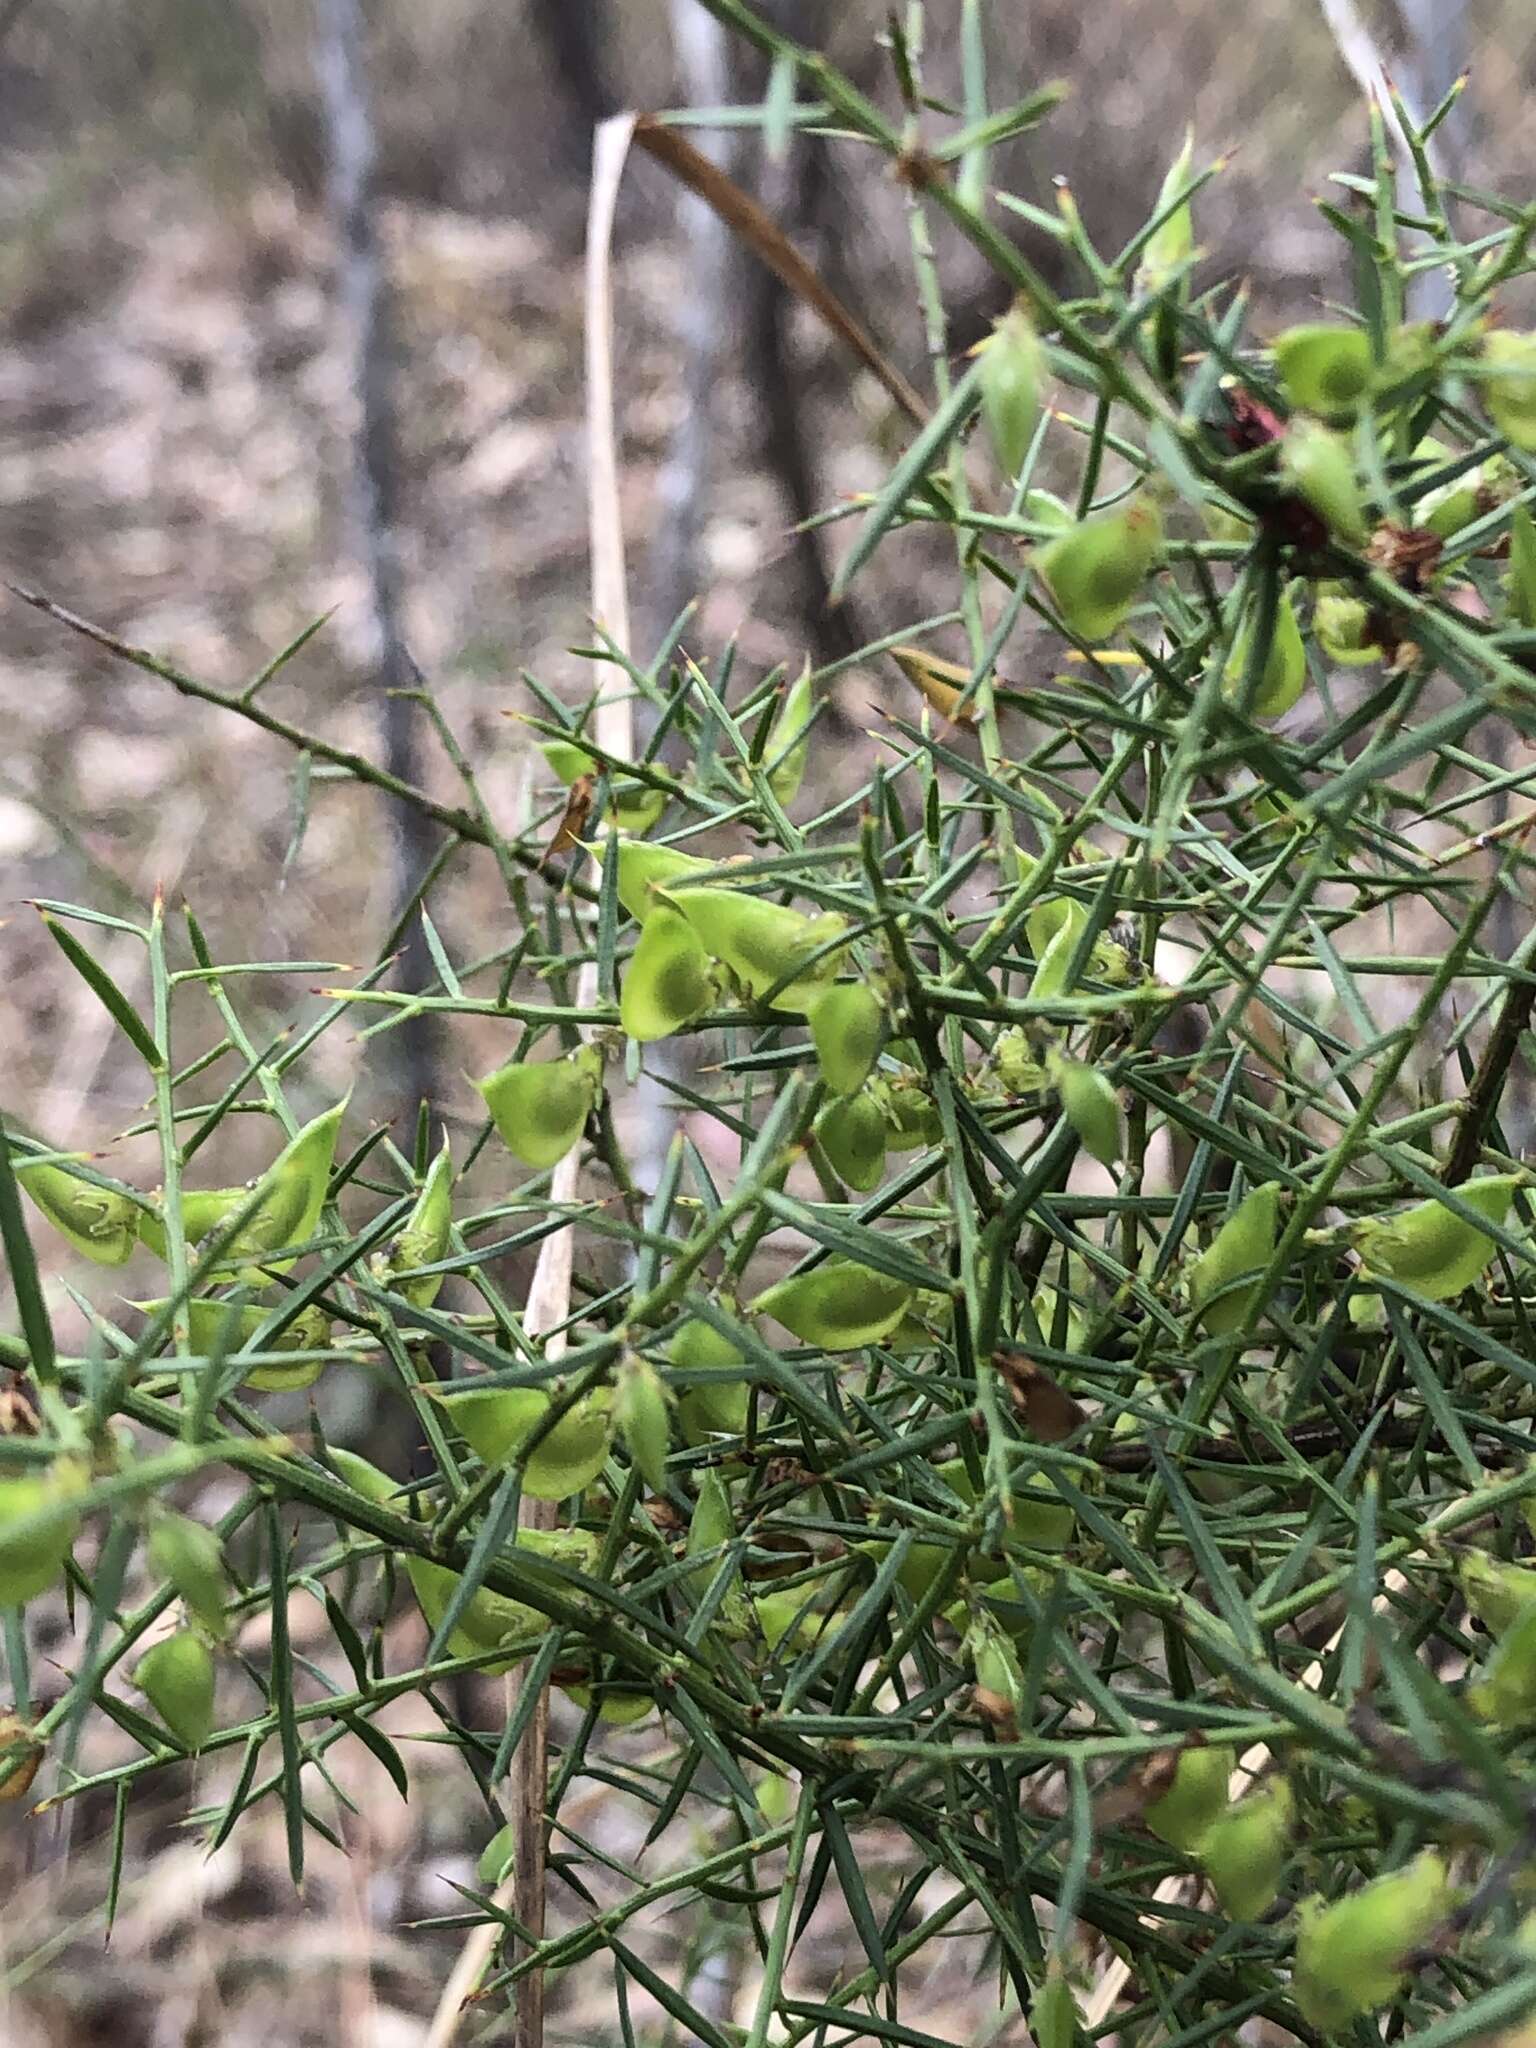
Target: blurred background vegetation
(177, 418)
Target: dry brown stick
(768, 242)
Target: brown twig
(1482, 1096)
(768, 242)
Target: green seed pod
(31, 1561)
(840, 1306)
(1244, 1244)
(999, 1675)
(719, 1407)
(1509, 386)
(1319, 466)
(789, 739)
(643, 868)
(1044, 508)
(1244, 1850)
(1506, 1695)
(1017, 1068)
(1428, 1250)
(366, 1479)
(1053, 2013)
(911, 1118)
(1285, 666)
(1052, 979)
(1520, 583)
(1049, 918)
(176, 1677)
(100, 1223)
(1343, 627)
(540, 1107)
(1197, 1795)
(1169, 247)
(424, 1240)
(1495, 1592)
(216, 1327)
(496, 1422)
(852, 1134)
(293, 1190)
(491, 1620)
(847, 1025)
(636, 805)
(668, 981)
(1095, 571)
(640, 1409)
(1446, 510)
(1350, 1954)
(763, 942)
(620, 1705)
(496, 1857)
(1009, 382)
(781, 1617)
(202, 1211)
(191, 1557)
(1038, 1524)
(1324, 369)
(1090, 1105)
(1223, 521)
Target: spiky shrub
(1064, 1394)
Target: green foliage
(1063, 1396)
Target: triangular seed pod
(1009, 381)
(847, 1025)
(839, 1306)
(1429, 1250)
(1244, 1244)
(1096, 569)
(667, 982)
(1285, 666)
(540, 1107)
(1324, 369)
(100, 1223)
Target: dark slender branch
(1488, 1081)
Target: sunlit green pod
(216, 1327)
(1013, 1057)
(33, 1560)
(619, 1704)
(101, 1223)
(1343, 628)
(1244, 1245)
(1009, 378)
(1506, 1693)
(762, 943)
(497, 1856)
(668, 981)
(1495, 1592)
(190, 1556)
(718, 1407)
(1053, 2015)
(1320, 467)
(1169, 247)
(643, 868)
(1095, 570)
(1198, 1794)
(492, 1619)
(852, 1133)
(1432, 1252)
(1091, 1106)
(1509, 385)
(497, 1421)
(847, 1025)
(1351, 1954)
(425, 1238)
(540, 1107)
(1520, 583)
(641, 1414)
(176, 1676)
(1244, 1851)
(789, 739)
(1284, 676)
(1324, 368)
(293, 1191)
(202, 1211)
(838, 1306)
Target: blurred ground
(173, 442)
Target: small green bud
(1096, 569)
(1091, 1106)
(497, 1856)
(789, 739)
(176, 1676)
(1169, 247)
(1244, 1851)
(1320, 467)
(640, 1410)
(424, 1240)
(847, 1025)
(1244, 1245)
(1351, 1954)
(191, 1557)
(1324, 369)
(1284, 675)
(1010, 377)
